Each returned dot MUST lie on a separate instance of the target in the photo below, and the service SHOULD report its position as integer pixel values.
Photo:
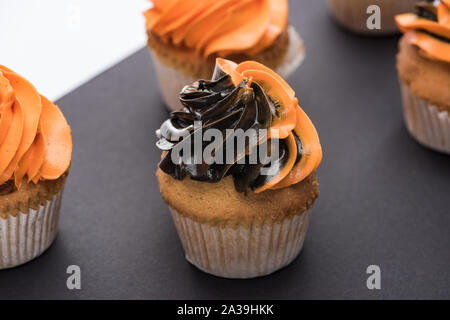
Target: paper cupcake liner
(425, 122)
(171, 81)
(25, 236)
(352, 14)
(241, 252)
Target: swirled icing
(35, 139)
(218, 27)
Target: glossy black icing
(221, 105)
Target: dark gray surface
(384, 199)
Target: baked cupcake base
(238, 235)
(241, 252)
(25, 236)
(425, 122)
(172, 80)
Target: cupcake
(185, 37)
(423, 65)
(240, 211)
(35, 152)
(353, 15)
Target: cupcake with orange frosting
(353, 15)
(186, 36)
(423, 65)
(239, 215)
(35, 155)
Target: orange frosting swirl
(429, 30)
(218, 27)
(35, 139)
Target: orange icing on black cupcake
(35, 139)
(428, 29)
(218, 27)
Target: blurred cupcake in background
(423, 65)
(237, 216)
(35, 155)
(352, 14)
(186, 36)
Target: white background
(60, 44)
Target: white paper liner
(352, 14)
(241, 252)
(171, 81)
(27, 235)
(425, 122)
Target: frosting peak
(255, 100)
(428, 29)
(218, 27)
(35, 139)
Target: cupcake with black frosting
(423, 65)
(239, 214)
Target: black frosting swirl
(427, 10)
(221, 105)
